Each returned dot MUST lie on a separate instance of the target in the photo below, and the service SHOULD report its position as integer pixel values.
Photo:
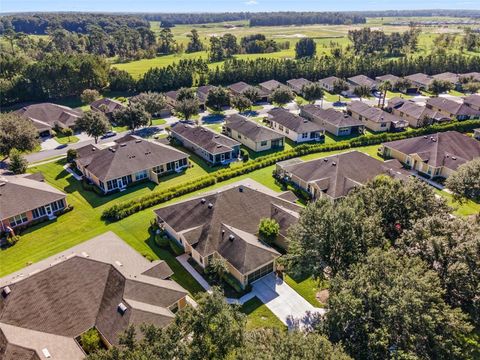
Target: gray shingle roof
(46, 115)
(449, 149)
(237, 212)
(362, 80)
(388, 77)
(330, 81)
(372, 113)
(331, 116)
(19, 194)
(271, 85)
(292, 121)
(338, 174)
(420, 78)
(126, 157)
(298, 83)
(453, 107)
(250, 129)
(107, 105)
(239, 87)
(447, 76)
(67, 294)
(472, 100)
(205, 138)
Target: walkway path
(183, 260)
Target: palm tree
(384, 88)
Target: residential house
(214, 148)
(389, 77)
(473, 101)
(295, 127)
(450, 77)
(241, 87)
(329, 83)
(476, 134)
(297, 85)
(171, 98)
(419, 81)
(101, 284)
(107, 106)
(225, 224)
(452, 109)
(47, 116)
(473, 76)
(362, 80)
(416, 115)
(27, 198)
(374, 118)
(202, 95)
(251, 134)
(335, 122)
(270, 86)
(335, 176)
(128, 161)
(436, 155)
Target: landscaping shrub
(244, 154)
(12, 239)
(125, 209)
(90, 341)
(147, 256)
(176, 248)
(161, 240)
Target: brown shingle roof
(46, 115)
(338, 174)
(107, 105)
(451, 106)
(19, 194)
(330, 81)
(204, 138)
(298, 84)
(472, 100)
(420, 78)
(237, 210)
(202, 92)
(372, 113)
(292, 121)
(473, 75)
(126, 157)
(271, 85)
(239, 87)
(415, 110)
(449, 149)
(388, 77)
(331, 116)
(250, 129)
(362, 80)
(447, 76)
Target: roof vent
(334, 163)
(210, 205)
(6, 291)
(326, 159)
(434, 140)
(240, 189)
(138, 141)
(216, 136)
(231, 237)
(122, 308)
(46, 353)
(118, 263)
(84, 254)
(454, 158)
(123, 145)
(425, 137)
(203, 201)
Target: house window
(383, 125)
(437, 171)
(287, 131)
(239, 136)
(18, 220)
(38, 212)
(304, 135)
(141, 175)
(280, 127)
(263, 143)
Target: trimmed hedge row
(125, 209)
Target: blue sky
(230, 5)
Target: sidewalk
(183, 259)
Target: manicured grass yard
(307, 287)
(466, 208)
(62, 139)
(260, 316)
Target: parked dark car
(109, 134)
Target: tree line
(368, 41)
(306, 18)
(39, 23)
(59, 75)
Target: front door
(177, 165)
(222, 157)
(48, 210)
(120, 183)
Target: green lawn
(334, 98)
(466, 208)
(62, 139)
(307, 287)
(260, 316)
(158, 121)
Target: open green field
(326, 37)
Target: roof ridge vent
(123, 145)
(334, 163)
(138, 141)
(210, 205)
(203, 201)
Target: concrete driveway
(292, 309)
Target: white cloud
(251, 2)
